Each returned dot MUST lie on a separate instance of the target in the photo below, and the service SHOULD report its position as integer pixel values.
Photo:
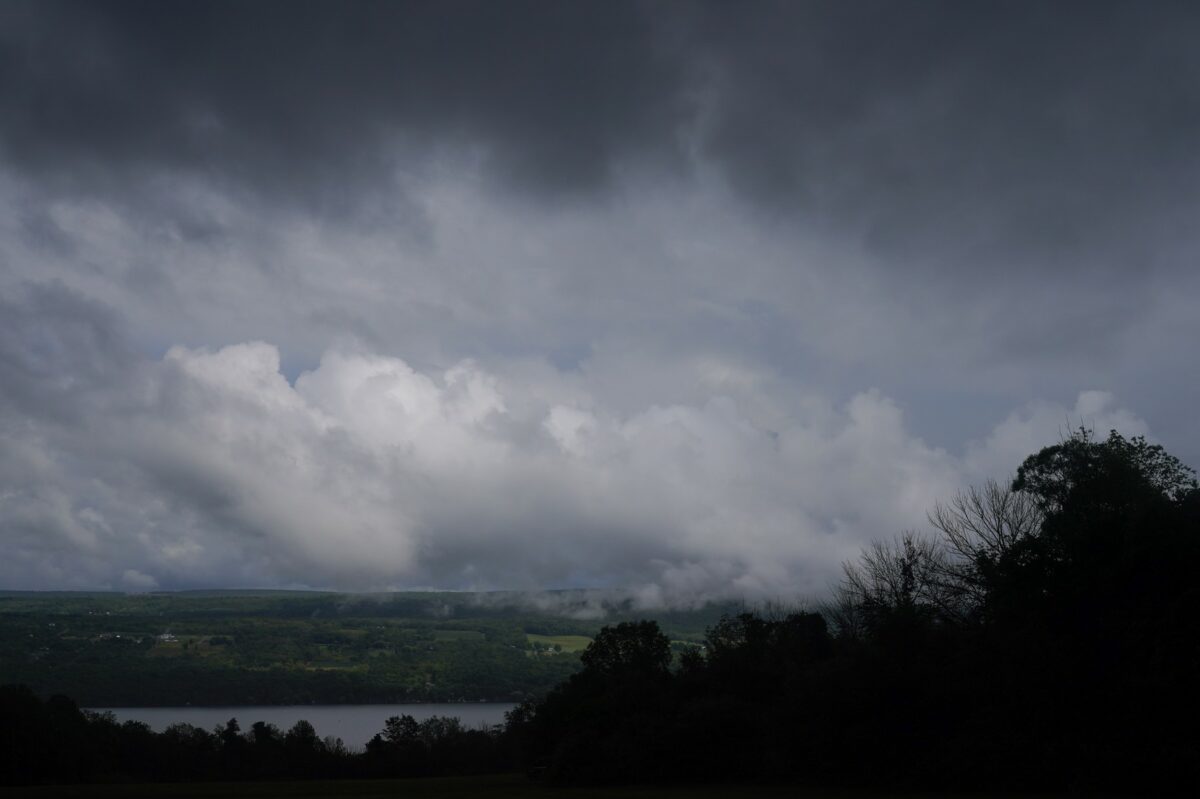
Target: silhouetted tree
(980, 528)
(23, 736)
(1081, 473)
(628, 649)
(398, 729)
(233, 748)
(900, 585)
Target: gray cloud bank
(209, 468)
(687, 298)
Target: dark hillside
(296, 647)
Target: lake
(354, 724)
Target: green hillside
(296, 647)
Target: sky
(679, 299)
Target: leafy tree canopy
(629, 648)
(1117, 469)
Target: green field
(565, 643)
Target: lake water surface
(354, 724)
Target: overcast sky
(687, 299)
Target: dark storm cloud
(963, 129)
(320, 99)
(1044, 128)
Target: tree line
(1044, 635)
(53, 741)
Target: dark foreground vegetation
(54, 741)
(1046, 637)
(497, 786)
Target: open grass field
(492, 787)
(568, 643)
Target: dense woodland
(1045, 635)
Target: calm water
(354, 724)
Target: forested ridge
(1043, 635)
